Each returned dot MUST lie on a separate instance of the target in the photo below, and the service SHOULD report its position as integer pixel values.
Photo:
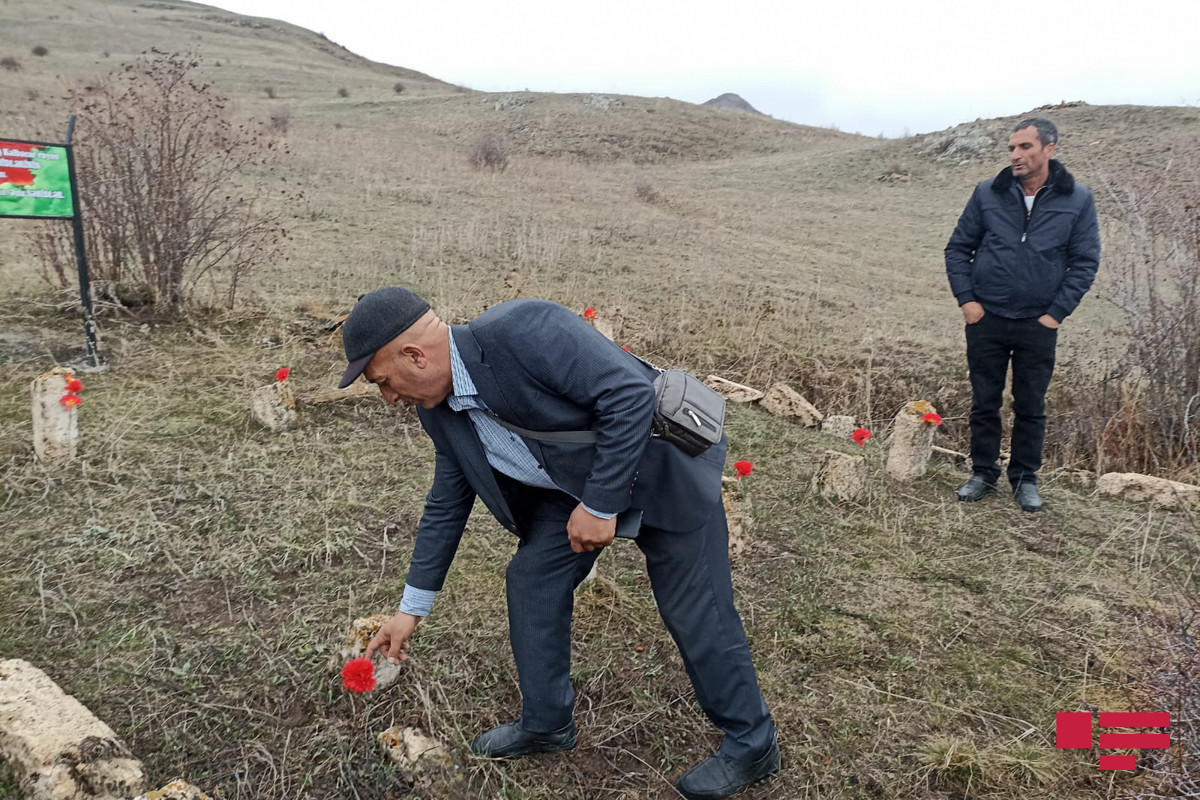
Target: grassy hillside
(190, 576)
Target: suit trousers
(689, 575)
(992, 343)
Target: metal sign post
(37, 181)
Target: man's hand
(392, 638)
(1049, 321)
(587, 532)
(972, 312)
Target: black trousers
(992, 343)
(689, 574)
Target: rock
(911, 442)
(591, 576)
(362, 630)
(274, 406)
(603, 101)
(55, 426)
(57, 748)
(733, 392)
(737, 515)
(177, 789)
(413, 750)
(1146, 488)
(841, 476)
(839, 426)
(784, 401)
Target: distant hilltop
(731, 100)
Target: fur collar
(1062, 181)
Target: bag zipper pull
(695, 419)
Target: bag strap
(562, 437)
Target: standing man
(537, 366)
(1024, 253)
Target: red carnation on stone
(359, 675)
(282, 373)
(73, 384)
(860, 436)
(933, 418)
(589, 313)
(70, 400)
(743, 468)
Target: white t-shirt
(1029, 198)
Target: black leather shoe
(977, 488)
(511, 740)
(723, 776)
(1027, 497)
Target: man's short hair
(1047, 133)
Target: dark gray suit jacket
(539, 366)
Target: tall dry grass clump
(158, 162)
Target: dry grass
(190, 576)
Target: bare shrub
(646, 191)
(39, 51)
(10, 64)
(157, 161)
(490, 152)
(398, 88)
(343, 92)
(1138, 408)
(270, 90)
(280, 120)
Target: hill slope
(190, 575)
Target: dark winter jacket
(1017, 265)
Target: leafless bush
(490, 152)
(270, 90)
(646, 191)
(343, 92)
(280, 120)
(157, 162)
(39, 51)
(1145, 404)
(10, 64)
(398, 88)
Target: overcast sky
(870, 66)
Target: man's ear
(415, 353)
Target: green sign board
(35, 180)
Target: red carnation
(932, 417)
(70, 400)
(282, 373)
(743, 468)
(860, 436)
(73, 384)
(626, 349)
(359, 675)
(589, 313)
